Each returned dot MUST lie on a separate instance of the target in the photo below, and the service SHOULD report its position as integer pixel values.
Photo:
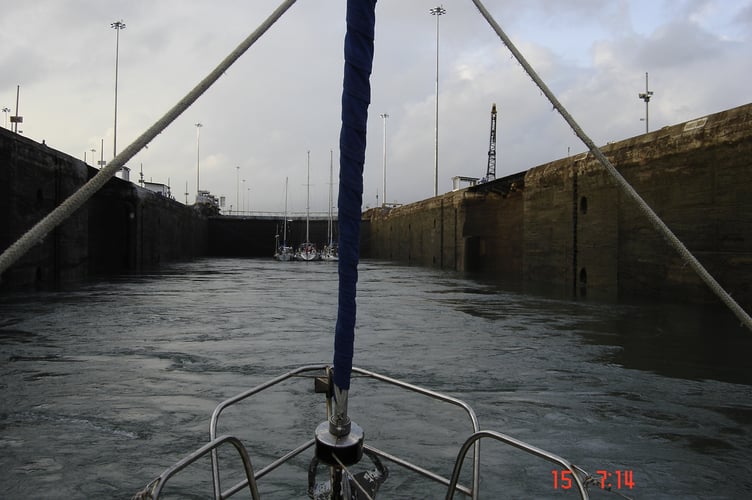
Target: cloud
(282, 98)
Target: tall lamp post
(117, 25)
(101, 162)
(198, 153)
(6, 110)
(438, 12)
(384, 116)
(645, 96)
(237, 190)
(16, 119)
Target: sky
(281, 100)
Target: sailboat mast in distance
(308, 198)
(330, 225)
(284, 226)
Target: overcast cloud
(282, 98)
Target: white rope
(626, 187)
(350, 476)
(38, 232)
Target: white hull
(329, 253)
(284, 254)
(307, 252)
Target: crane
(491, 170)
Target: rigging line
(350, 476)
(714, 286)
(40, 230)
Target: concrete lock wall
(121, 228)
(423, 233)
(467, 230)
(34, 180)
(566, 226)
(698, 177)
(563, 225)
(131, 228)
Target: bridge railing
(278, 215)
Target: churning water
(105, 385)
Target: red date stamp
(616, 479)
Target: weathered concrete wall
(426, 233)
(131, 228)
(33, 180)
(698, 178)
(571, 228)
(493, 231)
(121, 228)
(566, 226)
(467, 230)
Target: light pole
(6, 110)
(16, 119)
(101, 153)
(198, 150)
(237, 189)
(384, 116)
(645, 96)
(438, 12)
(92, 155)
(117, 25)
(243, 207)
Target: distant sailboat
(307, 250)
(283, 252)
(330, 250)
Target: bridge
(279, 215)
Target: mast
(284, 225)
(308, 197)
(330, 226)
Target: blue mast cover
(356, 96)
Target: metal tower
(645, 96)
(491, 171)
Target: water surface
(106, 384)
